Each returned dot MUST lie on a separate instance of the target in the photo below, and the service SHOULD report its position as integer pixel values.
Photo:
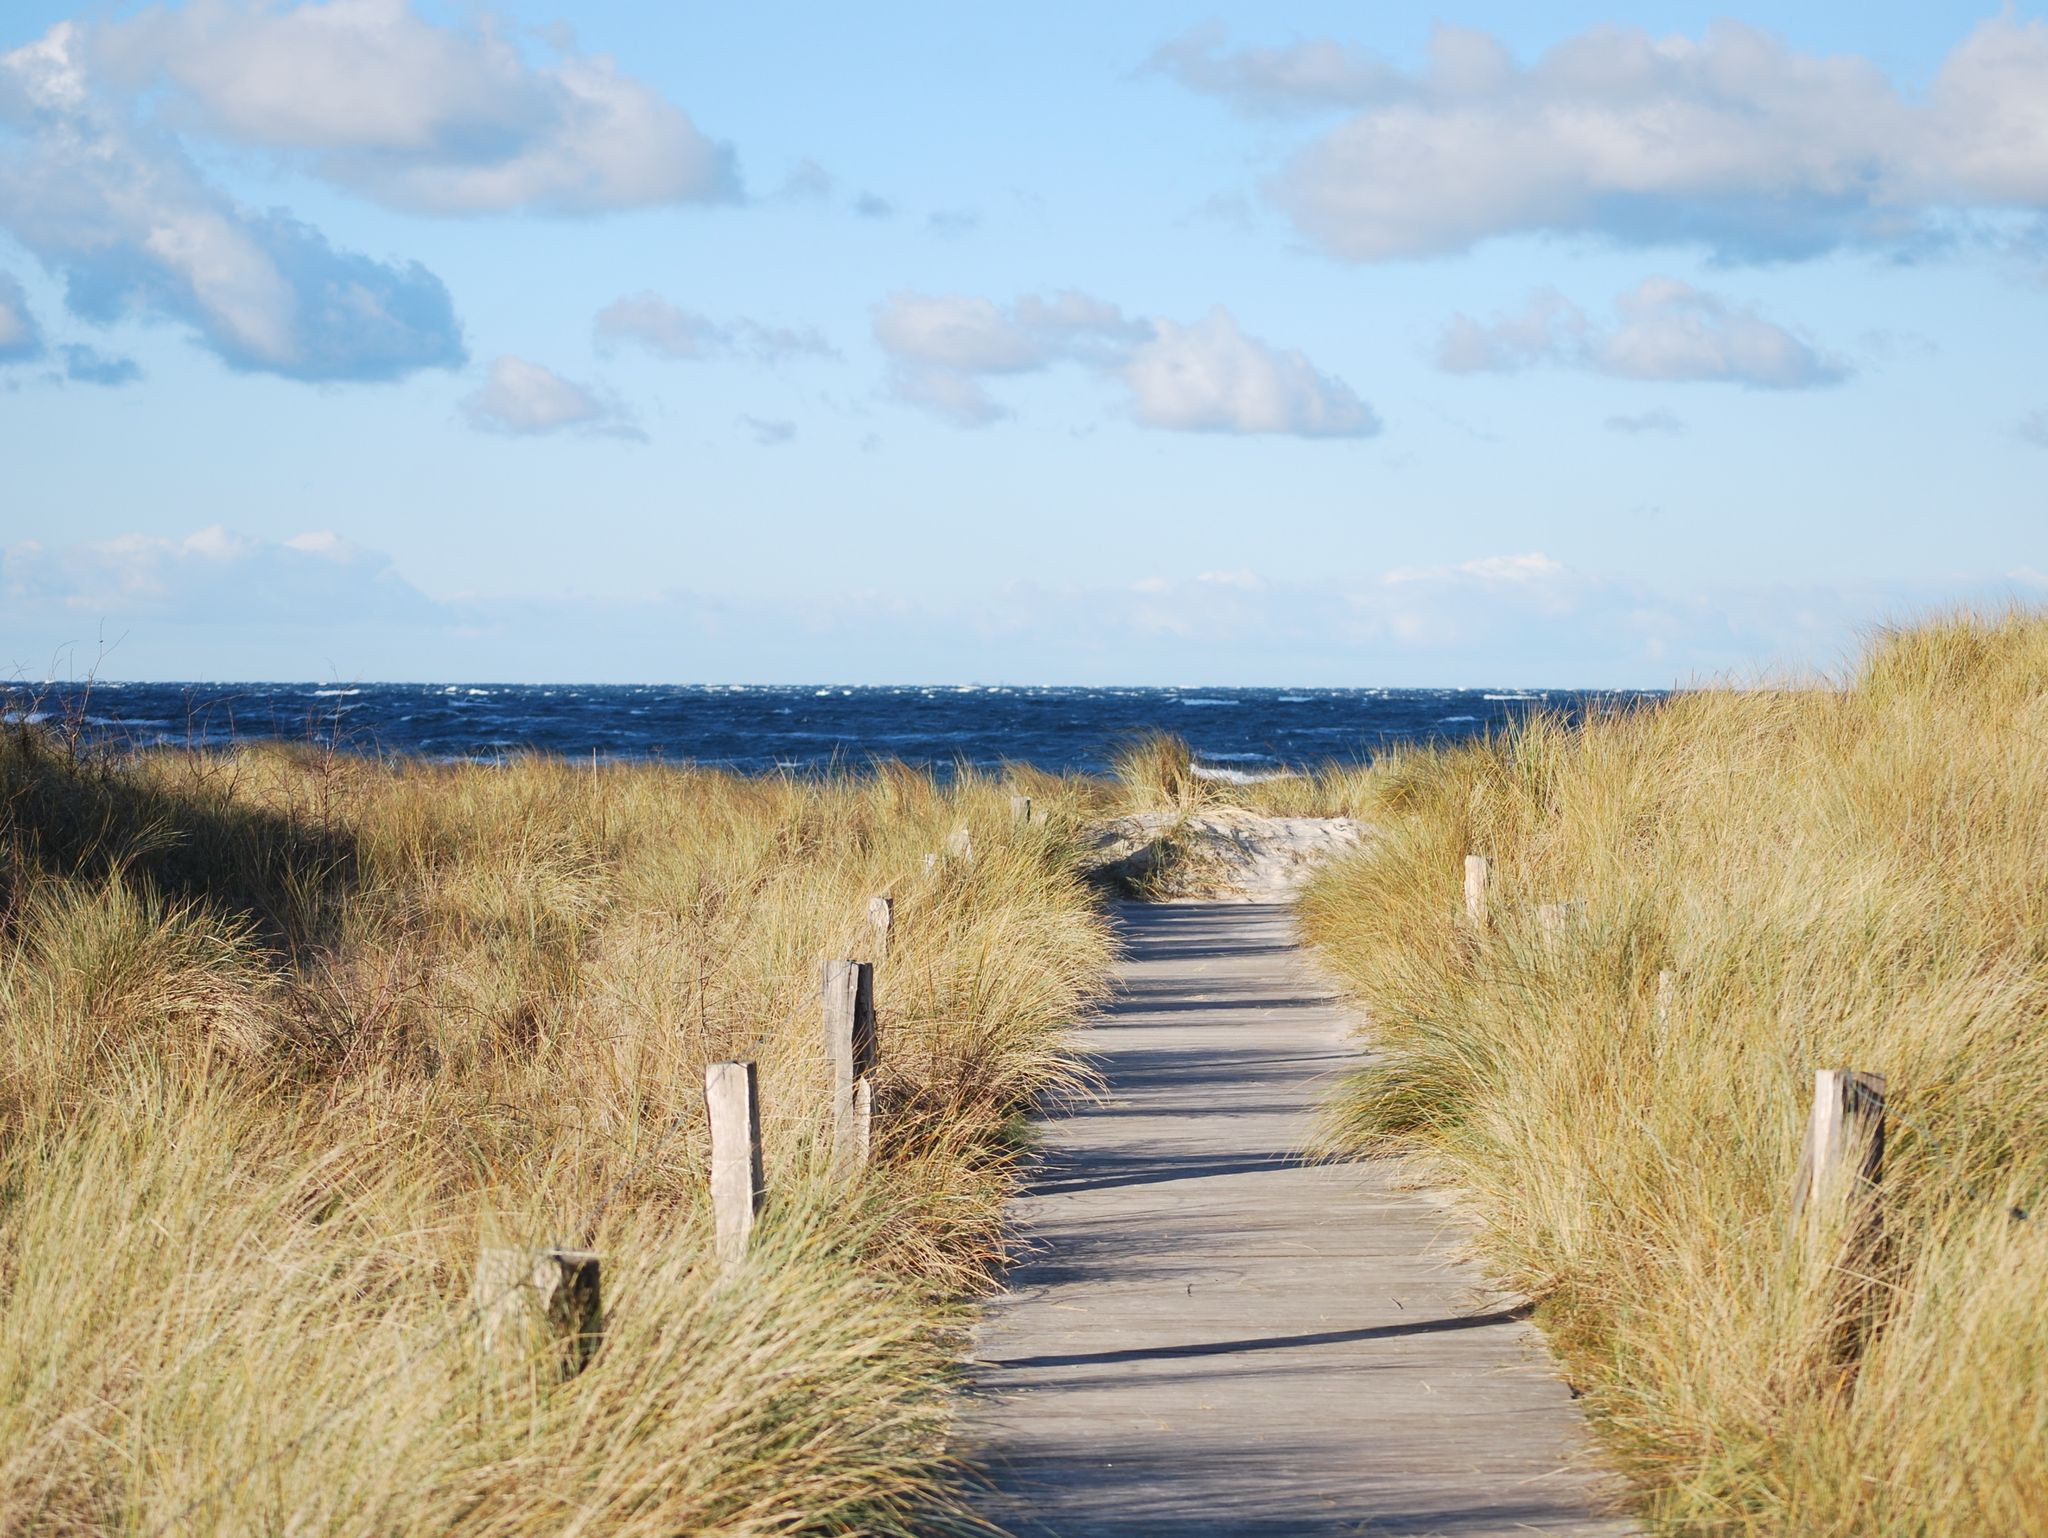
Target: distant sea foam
(758, 729)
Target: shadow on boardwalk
(1210, 1335)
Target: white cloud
(21, 339)
(210, 577)
(431, 119)
(955, 331)
(1666, 330)
(528, 400)
(1301, 77)
(1211, 377)
(125, 217)
(1205, 377)
(2033, 427)
(942, 345)
(649, 321)
(1733, 140)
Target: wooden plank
(1205, 1334)
(881, 919)
(1020, 810)
(961, 845)
(732, 1103)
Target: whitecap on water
(1238, 776)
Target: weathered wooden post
(961, 845)
(931, 864)
(1020, 810)
(1841, 1163)
(732, 1103)
(1666, 988)
(1838, 1212)
(1477, 874)
(539, 1302)
(881, 918)
(850, 1052)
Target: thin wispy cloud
(670, 331)
(1522, 617)
(1663, 330)
(1637, 423)
(88, 365)
(769, 432)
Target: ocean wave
(325, 694)
(1212, 702)
(1239, 776)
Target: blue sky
(1228, 344)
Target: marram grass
(289, 1036)
(1833, 878)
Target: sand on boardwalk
(1221, 854)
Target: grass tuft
(292, 1035)
(1831, 877)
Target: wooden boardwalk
(1208, 1336)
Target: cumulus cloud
(1211, 377)
(422, 117)
(21, 339)
(526, 400)
(121, 212)
(1733, 140)
(647, 320)
(1664, 330)
(1205, 377)
(1644, 422)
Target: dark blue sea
(758, 730)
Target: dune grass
(291, 1035)
(1832, 878)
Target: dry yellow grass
(289, 1036)
(1834, 878)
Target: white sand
(1238, 855)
